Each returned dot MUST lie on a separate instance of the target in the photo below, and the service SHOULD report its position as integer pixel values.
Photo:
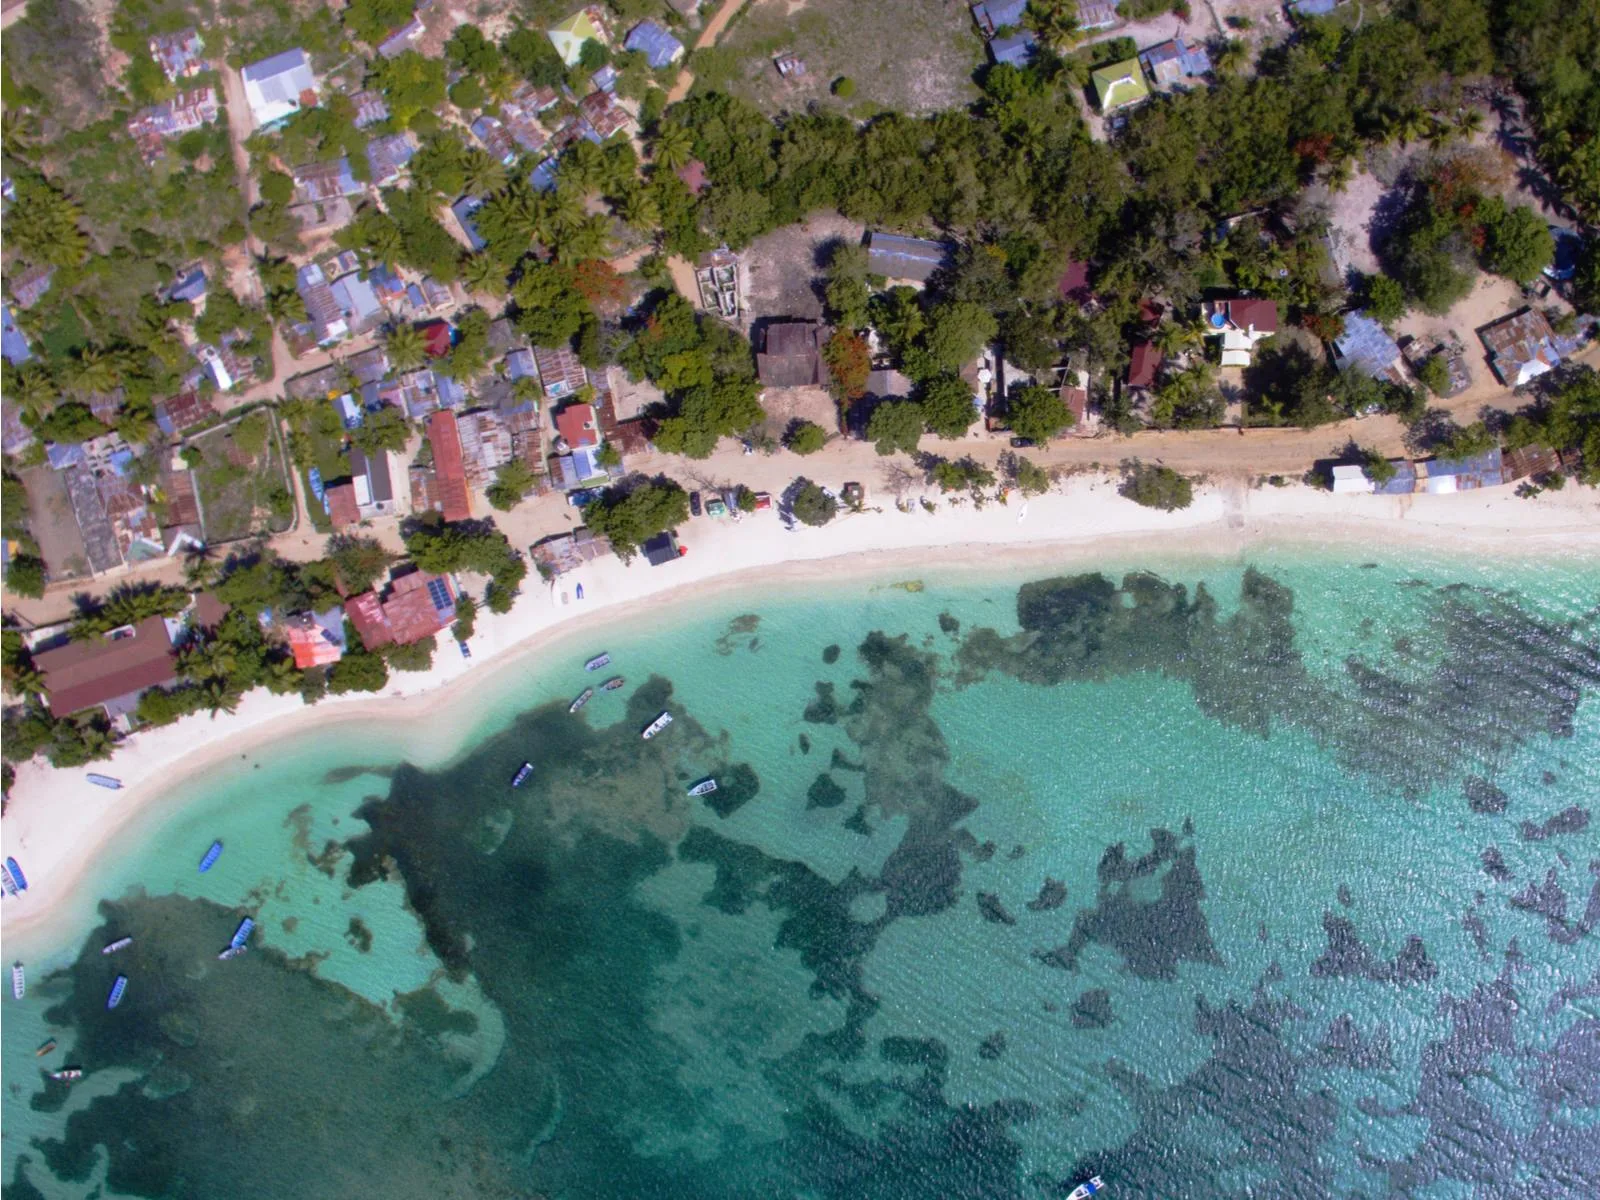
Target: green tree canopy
(1037, 413)
(630, 517)
(947, 405)
(895, 425)
(1157, 487)
(813, 506)
(805, 437)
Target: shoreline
(58, 824)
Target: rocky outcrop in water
(1347, 955)
(1052, 895)
(1567, 821)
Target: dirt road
(708, 37)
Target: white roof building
(1351, 479)
(279, 87)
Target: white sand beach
(58, 824)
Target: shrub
(844, 87)
(813, 506)
(805, 437)
(1157, 487)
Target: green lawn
(237, 488)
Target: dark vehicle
(1022, 443)
(466, 651)
(694, 504)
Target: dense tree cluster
(629, 516)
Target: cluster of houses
(1117, 86)
(538, 405)
(110, 671)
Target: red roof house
(312, 644)
(366, 614)
(1077, 402)
(1144, 365)
(450, 473)
(1251, 313)
(1075, 281)
(418, 606)
(110, 670)
(576, 425)
(343, 510)
(436, 339)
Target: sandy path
(708, 37)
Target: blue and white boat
(210, 860)
(521, 777)
(6, 883)
(106, 781)
(17, 876)
(242, 934)
(19, 981)
(1084, 1190)
(598, 661)
(117, 989)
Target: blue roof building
(13, 343)
(1465, 474)
(543, 177)
(1365, 345)
(994, 15)
(189, 286)
(464, 209)
(896, 257)
(659, 47)
(1014, 49)
(1404, 481)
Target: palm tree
(592, 239)
(404, 346)
(287, 307)
(481, 174)
(1054, 21)
(18, 132)
(584, 166)
(481, 273)
(1405, 126)
(221, 696)
(567, 210)
(674, 146)
(36, 391)
(200, 567)
(1470, 122)
(640, 209)
(97, 371)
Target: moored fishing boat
(120, 944)
(242, 934)
(17, 877)
(598, 661)
(67, 1074)
(117, 990)
(19, 981)
(232, 952)
(521, 777)
(5, 881)
(210, 860)
(657, 725)
(49, 1045)
(106, 781)
(612, 684)
(583, 698)
(1089, 1188)
(704, 788)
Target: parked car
(694, 504)
(716, 508)
(763, 500)
(1022, 443)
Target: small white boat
(657, 725)
(233, 952)
(19, 981)
(521, 777)
(598, 661)
(121, 943)
(67, 1074)
(1084, 1190)
(583, 698)
(106, 781)
(704, 788)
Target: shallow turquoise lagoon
(1274, 877)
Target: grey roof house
(995, 15)
(793, 355)
(897, 257)
(1366, 346)
(1014, 49)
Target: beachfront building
(316, 639)
(1240, 322)
(278, 87)
(414, 606)
(1351, 479)
(563, 552)
(661, 549)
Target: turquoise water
(1283, 883)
